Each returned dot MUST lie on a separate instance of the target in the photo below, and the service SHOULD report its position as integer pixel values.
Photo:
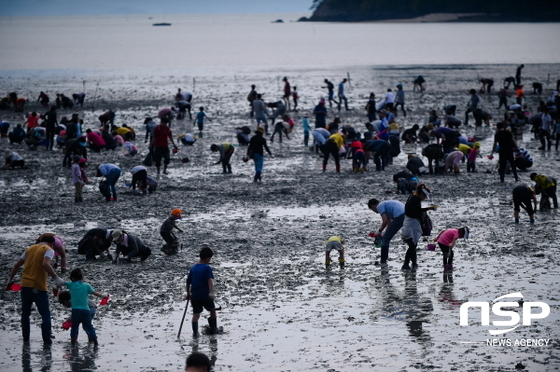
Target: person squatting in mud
(171, 245)
(130, 246)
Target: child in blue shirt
(306, 129)
(81, 314)
(199, 120)
(200, 290)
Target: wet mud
(281, 309)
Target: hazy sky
(87, 7)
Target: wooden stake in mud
(183, 320)
(94, 97)
(84, 86)
(193, 84)
(349, 83)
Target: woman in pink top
(446, 241)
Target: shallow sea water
(282, 311)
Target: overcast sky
(92, 7)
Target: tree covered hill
(473, 10)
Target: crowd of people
(379, 140)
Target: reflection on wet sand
(44, 353)
(81, 358)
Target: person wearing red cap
(166, 232)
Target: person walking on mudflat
(36, 262)
(200, 290)
(255, 151)
(330, 91)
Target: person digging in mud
(96, 242)
(36, 262)
(226, 150)
(406, 182)
(111, 173)
(59, 251)
(522, 197)
(200, 290)
(415, 165)
(255, 151)
(198, 362)
(130, 246)
(412, 229)
(334, 242)
(332, 147)
(547, 187)
(171, 245)
(81, 314)
(446, 241)
(13, 160)
(392, 217)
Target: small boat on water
(161, 24)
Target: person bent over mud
(226, 151)
(547, 187)
(334, 242)
(130, 246)
(522, 197)
(447, 240)
(96, 242)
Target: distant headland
(434, 11)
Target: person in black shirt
(507, 145)
(412, 230)
(255, 151)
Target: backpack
(104, 188)
(426, 223)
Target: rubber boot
(194, 329)
(341, 263)
(338, 168)
(74, 340)
(324, 167)
(384, 254)
(229, 168)
(212, 322)
(76, 200)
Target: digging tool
(183, 320)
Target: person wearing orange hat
(166, 232)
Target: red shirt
(32, 121)
(161, 133)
